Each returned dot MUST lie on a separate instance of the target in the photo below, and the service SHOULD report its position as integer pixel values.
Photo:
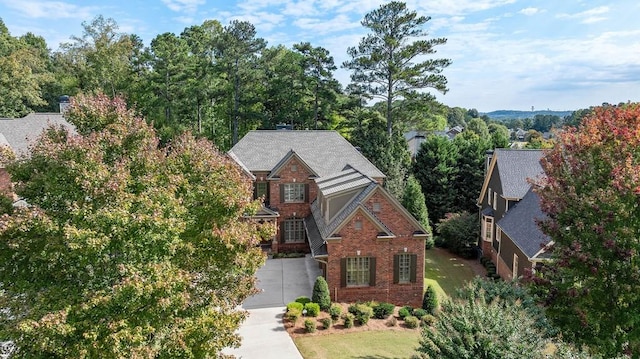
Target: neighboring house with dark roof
(19, 133)
(509, 233)
(327, 199)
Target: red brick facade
(5, 183)
(366, 242)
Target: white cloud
(448, 7)
(529, 11)
(51, 9)
(325, 26)
(188, 6)
(263, 21)
(589, 16)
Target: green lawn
(383, 344)
(443, 270)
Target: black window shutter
(414, 267)
(306, 192)
(255, 190)
(282, 232)
(372, 271)
(343, 272)
(281, 193)
(396, 268)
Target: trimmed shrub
(419, 313)
(392, 322)
(383, 310)
(348, 319)
(405, 312)
(430, 301)
(295, 305)
(334, 311)
(293, 314)
(427, 320)
(321, 294)
(326, 322)
(304, 300)
(362, 313)
(309, 325)
(313, 309)
(411, 322)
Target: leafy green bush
(348, 319)
(295, 305)
(321, 294)
(335, 311)
(419, 313)
(309, 325)
(326, 322)
(459, 233)
(313, 309)
(362, 313)
(304, 300)
(405, 312)
(293, 314)
(430, 301)
(383, 310)
(427, 320)
(411, 322)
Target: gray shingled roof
(326, 152)
(21, 132)
(515, 166)
(316, 242)
(519, 223)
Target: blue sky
(507, 54)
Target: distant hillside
(513, 114)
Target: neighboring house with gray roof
(19, 133)
(327, 199)
(509, 231)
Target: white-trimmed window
(357, 225)
(294, 192)
(495, 201)
(358, 271)
(404, 268)
(515, 266)
(294, 230)
(487, 230)
(262, 190)
(489, 196)
(376, 206)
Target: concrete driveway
(281, 281)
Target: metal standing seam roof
(519, 224)
(326, 152)
(348, 179)
(515, 167)
(19, 133)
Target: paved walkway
(281, 281)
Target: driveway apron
(280, 281)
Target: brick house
(509, 211)
(327, 199)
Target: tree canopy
(591, 193)
(126, 249)
(389, 62)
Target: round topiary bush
(383, 310)
(326, 322)
(411, 322)
(427, 320)
(313, 309)
(362, 313)
(419, 313)
(295, 305)
(310, 325)
(405, 312)
(348, 319)
(304, 300)
(335, 311)
(321, 294)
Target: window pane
(294, 192)
(294, 231)
(404, 268)
(358, 271)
